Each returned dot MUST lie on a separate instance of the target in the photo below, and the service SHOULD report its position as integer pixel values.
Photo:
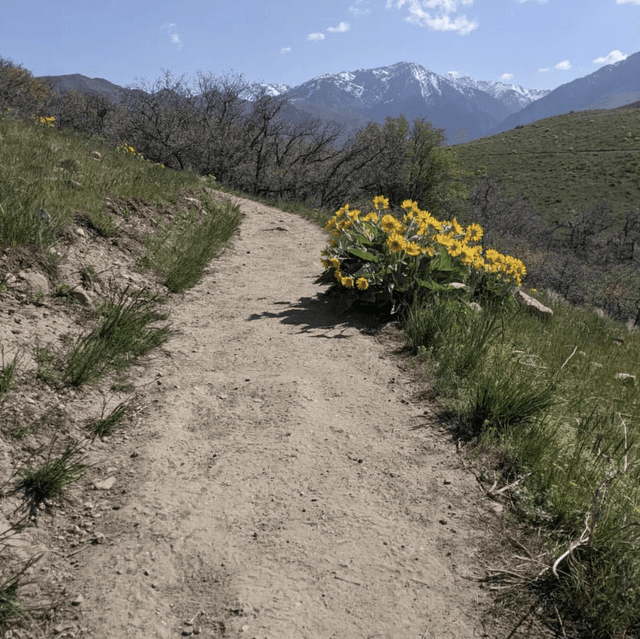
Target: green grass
(546, 396)
(566, 163)
(42, 169)
(47, 482)
(107, 424)
(181, 250)
(125, 332)
(7, 373)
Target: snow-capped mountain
(462, 109)
(513, 96)
(609, 87)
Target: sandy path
(278, 484)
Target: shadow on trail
(320, 312)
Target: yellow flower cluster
(417, 234)
(129, 150)
(47, 121)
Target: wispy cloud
(611, 58)
(285, 50)
(565, 65)
(356, 9)
(315, 36)
(453, 74)
(628, 2)
(174, 38)
(420, 13)
(341, 28)
(505, 77)
(538, 1)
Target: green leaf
(363, 255)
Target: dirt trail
(283, 484)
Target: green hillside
(566, 163)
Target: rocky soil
(280, 476)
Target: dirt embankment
(281, 481)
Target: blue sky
(538, 44)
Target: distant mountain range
(465, 108)
(609, 87)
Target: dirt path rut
(283, 484)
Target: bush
(386, 262)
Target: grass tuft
(47, 482)
(125, 333)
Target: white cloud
(174, 38)
(440, 20)
(628, 2)
(356, 10)
(285, 50)
(505, 77)
(565, 65)
(341, 28)
(539, 1)
(315, 36)
(454, 74)
(611, 58)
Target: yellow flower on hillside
(362, 283)
(370, 217)
(325, 263)
(338, 275)
(458, 230)
(428, 250)
(354, 214)
(379, 199)
(412, 249)
(335, 262)
(331, 224)
(396, 242)
(473, 233)
(456, 248)
(390, 224)
(347, 281)
(408, 204)
(444, 240)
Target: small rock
(77, 601)
(106, 484)
(80, 295)
(96, 154)
(36, 282)
(626, 378)
(99, 538)
(533, 306)
(80, 232)
(457, 285)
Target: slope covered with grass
(566, 163)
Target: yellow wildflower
(396, 242)
(408, 204)
(389, 224)
(335, 262)
(338, 275)
(325, 263)
(412, 249)
(379, 199)
(362, 283)
(473, 233)
(347, 281)
(354, 214)
(370, 217)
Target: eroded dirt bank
(282, 484)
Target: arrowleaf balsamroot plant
(380, 259)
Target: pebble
(77, 601)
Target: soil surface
(281, 480)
